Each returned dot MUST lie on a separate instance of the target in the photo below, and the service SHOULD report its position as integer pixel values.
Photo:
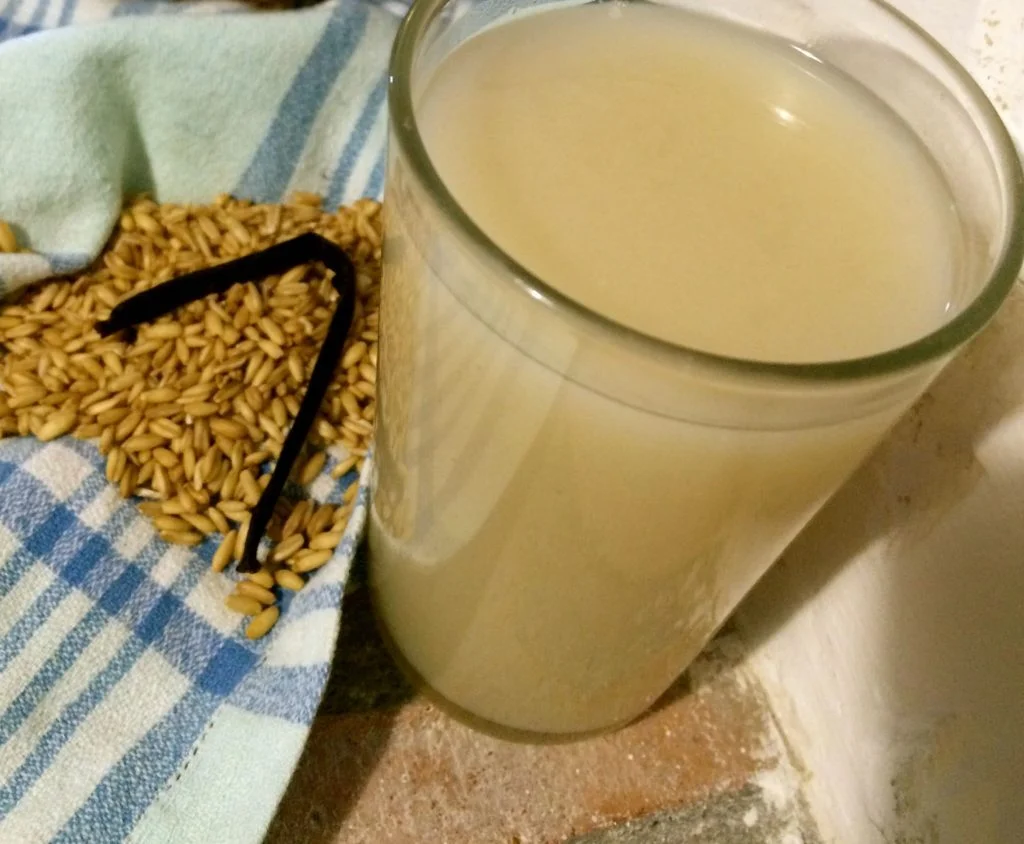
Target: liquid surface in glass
(695, 181)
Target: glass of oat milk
(657, 278)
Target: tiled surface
(384, 766)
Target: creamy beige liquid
(662, 169)
(548, 558)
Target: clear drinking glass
(539, 582)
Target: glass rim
(932, 346)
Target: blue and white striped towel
(131, 704)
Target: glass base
(470, 719)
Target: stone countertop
(384, 765)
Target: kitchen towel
(132, 706)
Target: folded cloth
(132, 707)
